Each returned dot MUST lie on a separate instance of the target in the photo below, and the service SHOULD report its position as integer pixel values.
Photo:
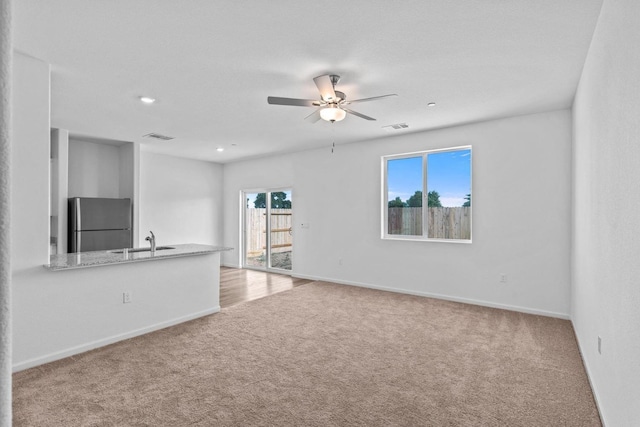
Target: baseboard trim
(109, 340)
(225, 264)
(440, 296)
(588, 371)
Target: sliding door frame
(243, 219)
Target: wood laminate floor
(239, 285)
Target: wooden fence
(444, 223)
(281, 230)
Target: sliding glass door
(255, 237)
(268, 229)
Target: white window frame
(425, 226)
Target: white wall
(180, 200)
(606, 207)
(59, 188)
(94, 169)
(126, 163)
(521, 215)
(30, 166)
(6, 140)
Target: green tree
(278, 200)
(467, 204)
(397, 203)
(415, 201)
(260, 201)
(433, 199)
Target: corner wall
(521, 215)
(30, 160)
(606, 213)
(180, 200)
(94, 170)
(5, 210)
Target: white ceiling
(212, 64)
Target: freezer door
(101, 240)
(99, 213)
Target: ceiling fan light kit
(332, 113)
(332, 102)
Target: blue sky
(448, 173)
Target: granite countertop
(117, 256)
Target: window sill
(421, 239)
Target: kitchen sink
(133, 250)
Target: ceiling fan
(332, 103)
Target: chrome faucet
(152, 240)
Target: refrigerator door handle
(78, 236)
(78, 216)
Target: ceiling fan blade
(371, 99)
(358, 114)
(292, 101)
(314, 117)
(325, 87)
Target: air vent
(397, 126)
(158, 136)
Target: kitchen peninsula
(60, 313)
(97, 298)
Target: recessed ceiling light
(147, 100)
(431, 104)
(220, 149)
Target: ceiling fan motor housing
(340, 96)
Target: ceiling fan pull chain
(333, 138)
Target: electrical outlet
(126, 297)
(503, 278)
(599, 345)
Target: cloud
(452, 202)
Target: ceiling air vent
(158, 136)
(397, 126)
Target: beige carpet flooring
(324, 355)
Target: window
(427, 195)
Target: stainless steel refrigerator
(97, 224)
